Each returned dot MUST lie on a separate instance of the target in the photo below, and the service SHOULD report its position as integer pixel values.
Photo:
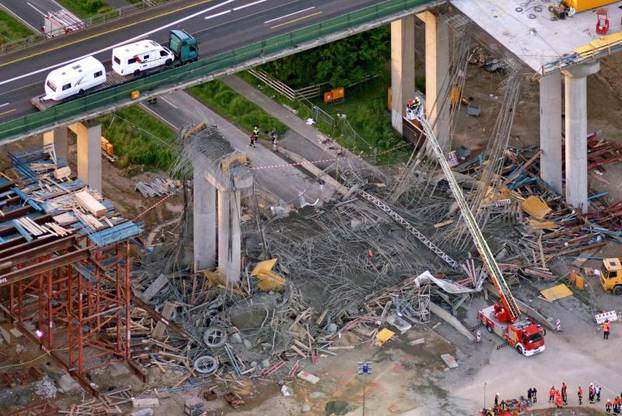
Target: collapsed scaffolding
(65, 265)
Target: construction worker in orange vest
(605, 327)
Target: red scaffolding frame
(71, 297)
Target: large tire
(169, 62)
(617, 290)
(520, 350)
(136, 72)
(489, 328)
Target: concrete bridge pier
(402, 68)
(436, 73)
(57, 137)
(575, 90)
(204, 223)
(89, 159)
(551, 129)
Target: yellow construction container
(583, 5)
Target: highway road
(219, 25)
(31, 12)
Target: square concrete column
(402, 68)
(57, 137)
(204, 217)
(89, 159)
(551, 129)
(436, 72)
(576, 133)
(229, 243)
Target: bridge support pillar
(402, 68)
(57, 137)
(575, 89)
(436, 72)
(204, 217)
(229, 243)
(89, 159)
(551, 130)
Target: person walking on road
(530, 395)
(606, 329)
(591, 393)
(598, 389)
(608, 407)
(253, 140)
(496, 399)
(534, 394)
(565, 393)
(552, 394)
(580, 395)
(273, 138)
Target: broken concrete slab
(446, 316)
(146, 402)
(5, 335)
(142, 412)
(306, 376)
(401, 324)
(154, 288)
(67, 384)
(449, 360)
(15, 332)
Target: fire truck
(503, 318)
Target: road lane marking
(217, 14)
(168, 102)
(37, 10)
(235, 9)
(95, 35)
(289, 22)
(7, 112)
(289, 15)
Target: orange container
(583, 5)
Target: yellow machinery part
(583, 5)
(268, 280)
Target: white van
(75, 78)
(136, 57)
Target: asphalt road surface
(31, 12)
(219, 25)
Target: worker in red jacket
(606, 329)
(552, 394)
(580, 395)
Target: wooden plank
(88, 202)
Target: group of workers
(255, 135)
(558, 398)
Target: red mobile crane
(503, 318)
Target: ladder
(410, 228)
(506, 297)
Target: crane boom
(506, 297)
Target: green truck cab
(184, 46)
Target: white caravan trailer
(136, 57)
(75, 78)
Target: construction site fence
(100, 18)
(203, 69)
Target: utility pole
(364, 369)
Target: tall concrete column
(436, 70)
(57, 137)
(551, 129)
(89, 159)
(402, 67)
(576, 133)
(229, 242)
(204, 217)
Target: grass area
(139, 138)
(86, 8)
(365, 108)
(11, 29)
(237, 109)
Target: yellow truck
(583, 5)
(611, 276)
